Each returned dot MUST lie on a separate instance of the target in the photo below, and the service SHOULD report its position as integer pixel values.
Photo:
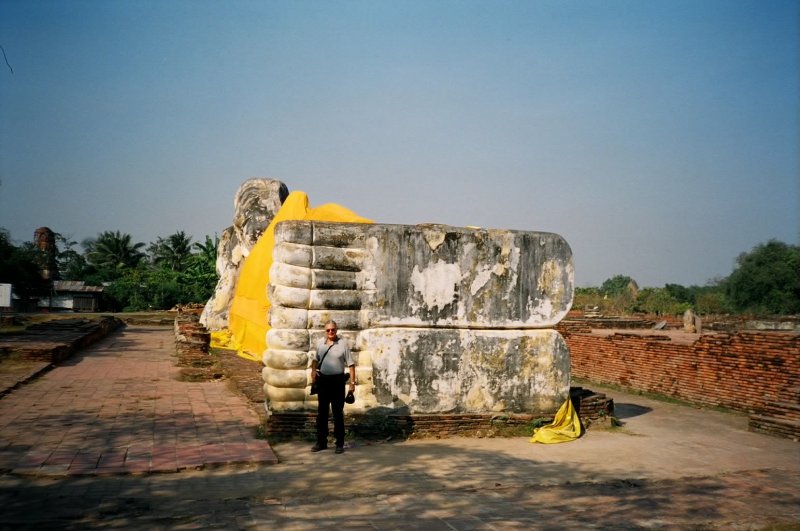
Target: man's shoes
(318, 447)
(339, 450)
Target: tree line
(175, 270)
(169, 271)
(765, 281)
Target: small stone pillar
(689, 318)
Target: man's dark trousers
(330, 394)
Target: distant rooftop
(75, 285)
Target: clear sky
(661, 138)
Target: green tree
(766, 280)
(111, 253)
(20, 266)
(711, 303)
(145, 288)
(172, 252)
(71, 264)
(659, 301)
(618, 284)
(151, 287)
(680, 293)
(200, 277)
(619, 294)
(587, 299)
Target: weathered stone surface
(292, 379)
(346, 319)
(336, 258)
(301, 233)
(281, 317)
(289, 339)
(424, 370)
(292, 253)
(216, 312)
(288, 297)
(334, 299)
(689, 321)
(443, 276)
(286, 359)
(323, 279)
(339, 235)
(282, 274)
(255, 205)
(440, 319)
(287, 397)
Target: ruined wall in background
(740, 371)
(441, 319)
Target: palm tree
(200, 276)
(173, 252)
(113, 252)
(208, 250)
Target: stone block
(338, 258)
(334, 299)
(289, 339)
(302, 233)
(327, 279)
(423, 370)
(441, 320)
(288, 297)
(293, 254)
(288, 318)
(288, 275)
(458, 277)
(285, 359)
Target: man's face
(330, 331)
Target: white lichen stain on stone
(506, 262)
(448, 389)
(481, 279)
(436, 284)
(477, 398)
(387, 351)
(541, 310)
(549, 281)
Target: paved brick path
(117, 407)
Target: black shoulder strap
(319, 365)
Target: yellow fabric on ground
(222, 339)
(566, 426)
(248, 318)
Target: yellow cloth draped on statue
(248, 318)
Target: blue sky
(660, 138)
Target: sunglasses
(330, 330)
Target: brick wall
(742, 371)
(402, 426)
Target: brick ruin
(754, 372)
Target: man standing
(328, 372)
